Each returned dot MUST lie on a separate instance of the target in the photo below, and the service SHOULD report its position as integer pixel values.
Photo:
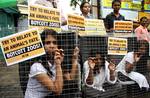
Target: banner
(147, 7)
(94, 27)
(76, 23)
(117, 46)
(131, 4)
(137, 1)
(44, 17)
(22, 46)
(146, 4)
(107, 3)
(136, 6)
(126, 5)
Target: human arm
(74, 69)
(107, 23)
(131, 61)
(53, 85)
(112, 69)
(138, 33)
(111, 72)
(129, 67)
(88, 72)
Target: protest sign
(22, 46)
(117, 46)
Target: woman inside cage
(127, 66)
(97, 70)
(46, 74)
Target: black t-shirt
(109, 21)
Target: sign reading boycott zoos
(76, 23)
(94, 27)
(22, 46)
(117, 46)
(40, 16)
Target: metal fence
(13, 81)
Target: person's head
(99, 57)
(85, 7)
(116, 5)
(141, 47)
(49, 39)
(144, 21)
(54, 3)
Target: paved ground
(9, 82)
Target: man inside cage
(47, 75)
(127, 65)
(97, 71)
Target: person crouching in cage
(127, 65)
(46, 77)
(97, 71)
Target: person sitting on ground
(127, 65)
(47, 76)
(96, 71)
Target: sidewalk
(9, 82)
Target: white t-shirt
(34, 88)
(99, 78)
(129, 57)
(137, 77)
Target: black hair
(43, 59)
(143, 18)
(139, 44)
(95, 52)
(47, 32)
(114, 1)
(82, 5)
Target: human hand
(91, 62)
(111, 67)
(76, 53)
(58, 56)
(137, 57)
